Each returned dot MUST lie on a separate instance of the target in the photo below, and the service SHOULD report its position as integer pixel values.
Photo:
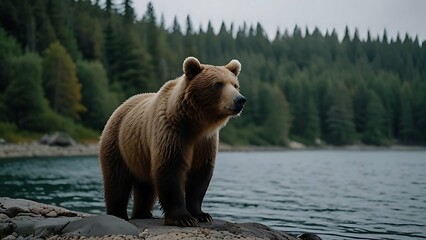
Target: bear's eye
(236, 86)
(218, 85)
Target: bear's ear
(191, 67)
(234, 66)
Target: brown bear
(165, 143)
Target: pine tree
(152, 33)
(312, 130)
(9, 48)
(339, 118)
(374, 127)
(129, 12)
(61, 19)
(45, 34)
(277, 120)
(406, 126)
(89, 36)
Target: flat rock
(96, 226)
(218, 229)
(31, 220)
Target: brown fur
(164, 144)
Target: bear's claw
(204, 217)
(182, 221)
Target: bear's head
(213, 89)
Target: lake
(337, 194)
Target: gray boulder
(57, 139)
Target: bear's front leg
(170, 183)
(196, 187)
(199, 177)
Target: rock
(308, 236)
(99, 226)
(13, 207)
(31, 220)
(58, 139)
(9, 237)
(51, 214)
(6, 228)
(218, 229)
(296, 145)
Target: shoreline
(35, 149)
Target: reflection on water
(336, 194)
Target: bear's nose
(239, 101)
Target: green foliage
(277, 120)
(23, 98)
(8, 49)
(28, 109)
(375, 115)
(61, 85)
(406, 121)
(304, 85)
(89, 36)
(339, 117)
(11, 133)
(96, 96)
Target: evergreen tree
(406, 122)
(111, 50)
(312, 130)
(24, 100)
(374, 127)
(9, 48)
(96, 95)
(133, 69)
(45, 34)
(60, 16)
(339, 119)
(152, 33)
(89, 36)
(278, 121)
(340, 91)
(129, 13)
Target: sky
(396, 16)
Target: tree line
(66, 65)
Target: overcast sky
(403, 16)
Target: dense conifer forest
(66, 65)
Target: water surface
(335, 194)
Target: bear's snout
(239, 102)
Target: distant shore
(35, 149)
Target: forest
(66, 65)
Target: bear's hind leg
(117, 187)
(144, 199)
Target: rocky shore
(25, 219)
(35, 149)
